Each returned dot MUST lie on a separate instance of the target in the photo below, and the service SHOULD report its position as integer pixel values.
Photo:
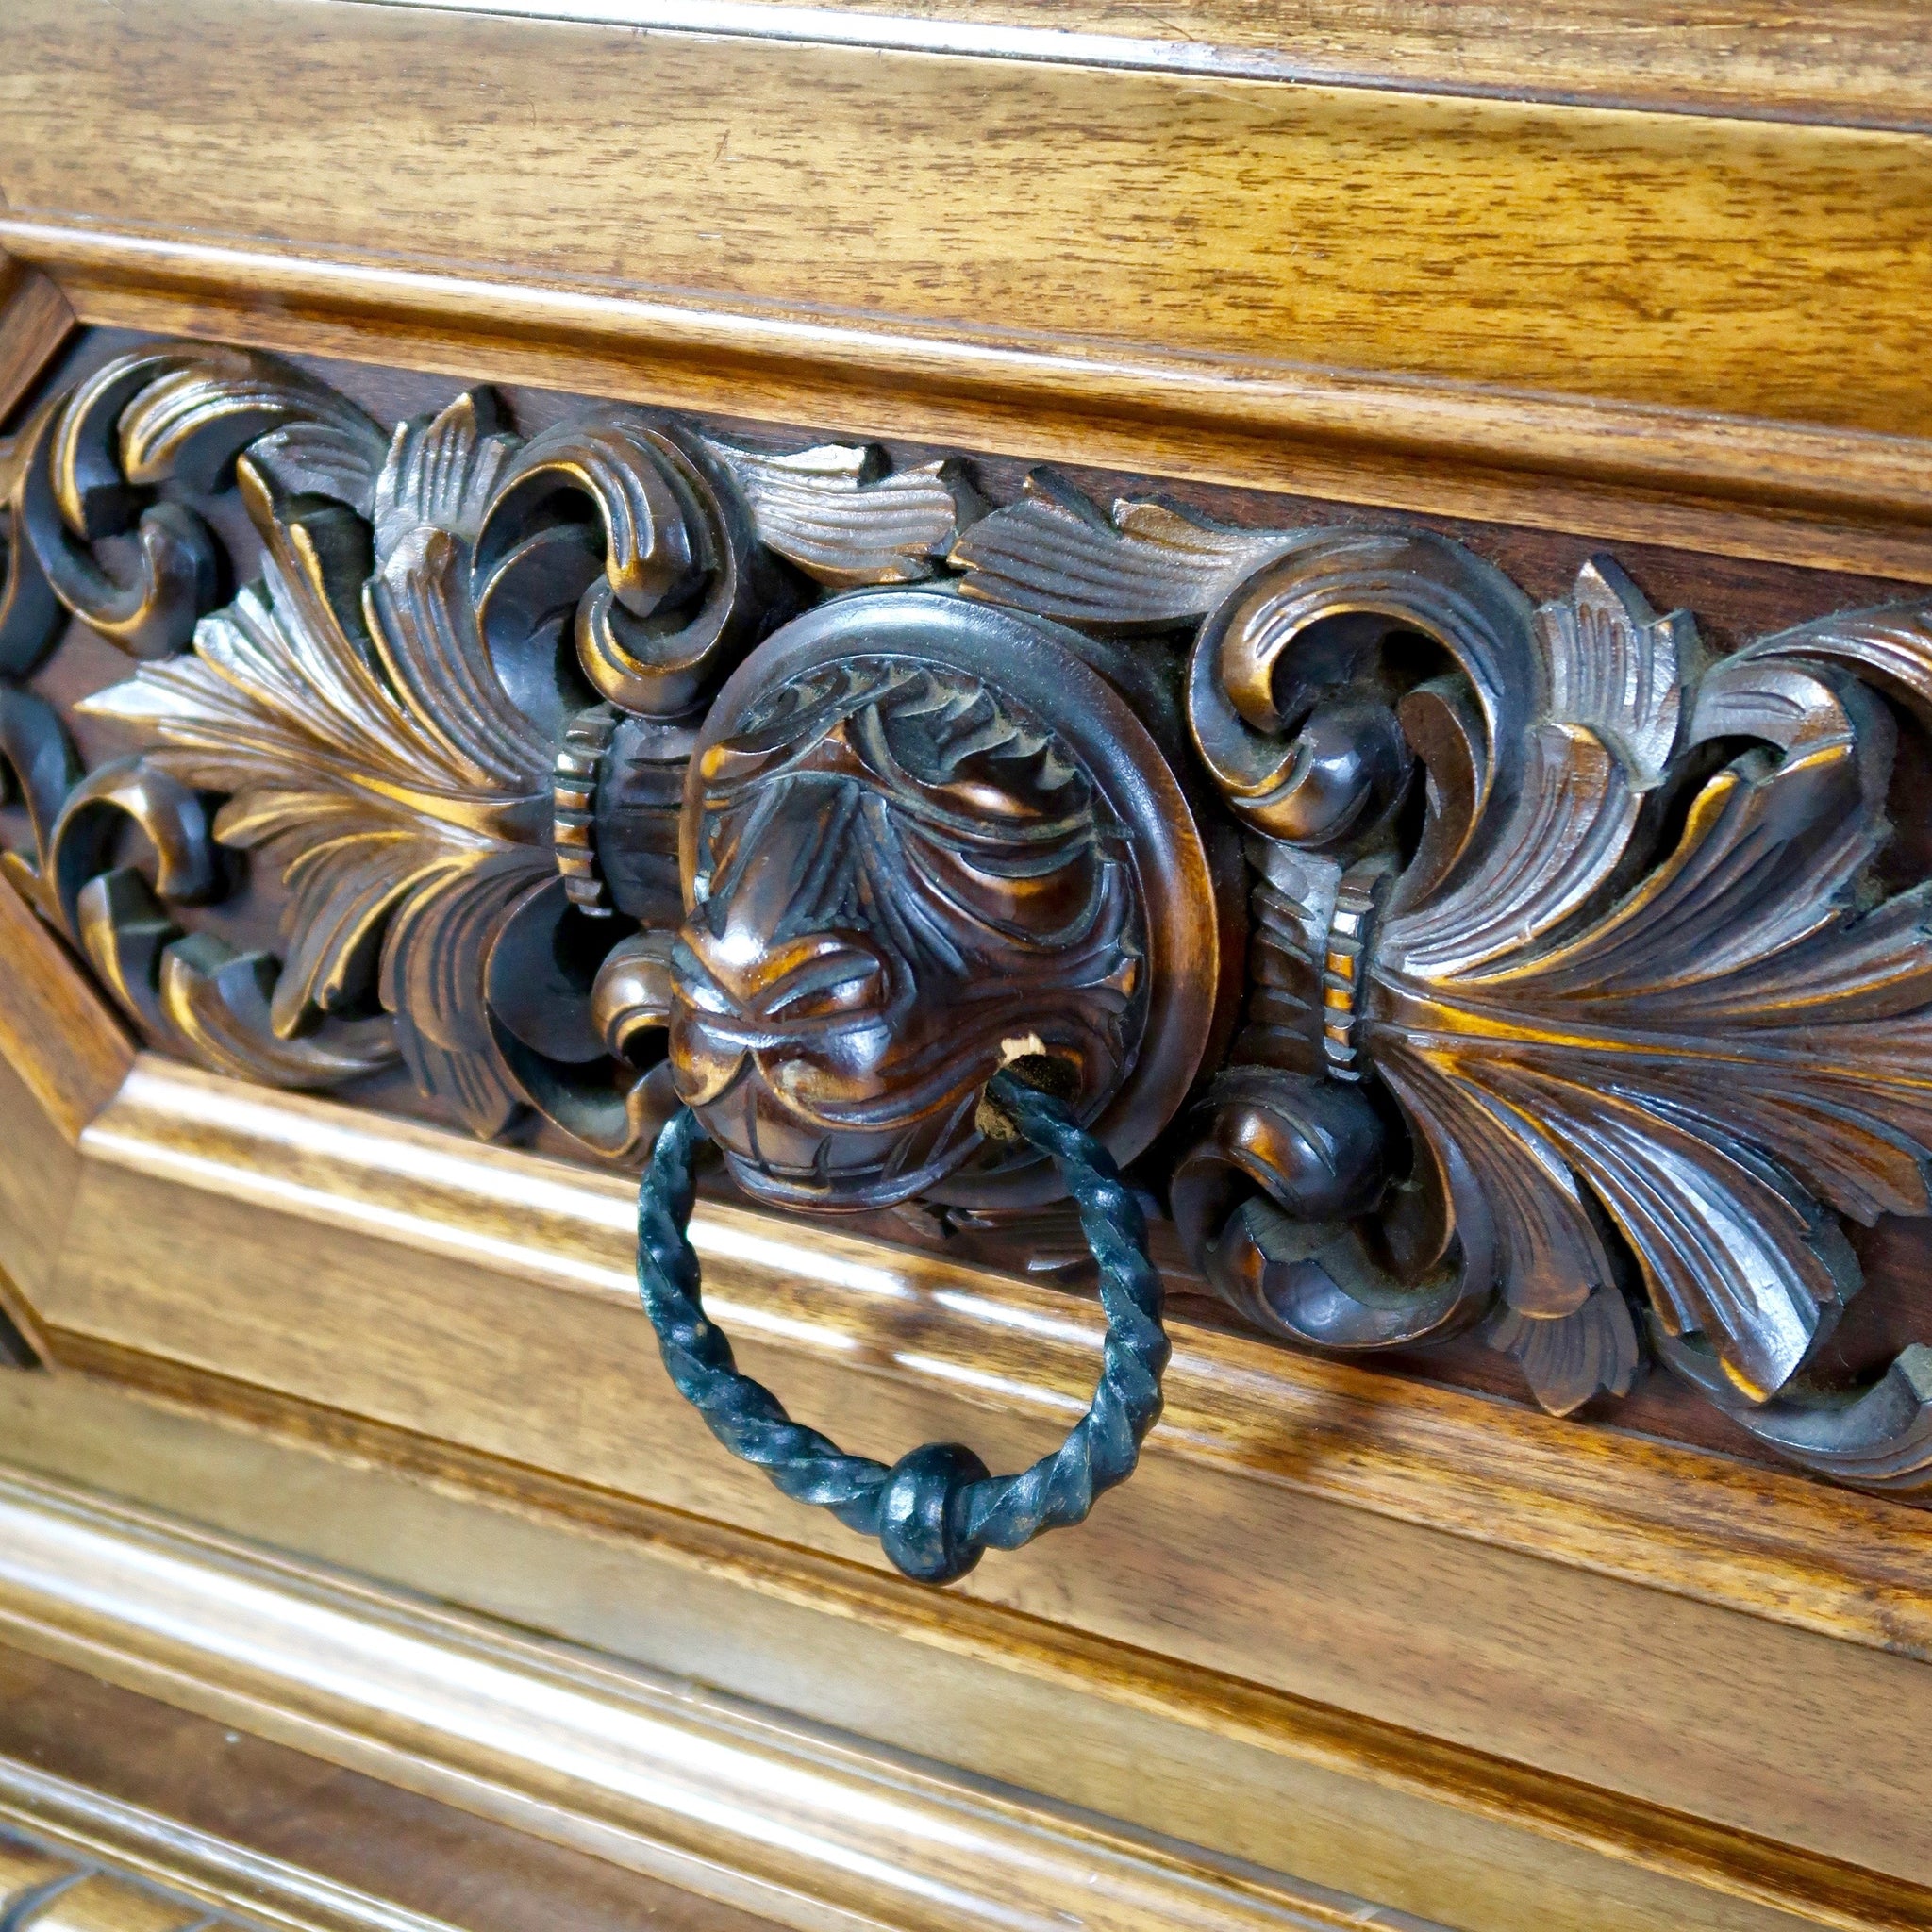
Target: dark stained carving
(919, 834)
(89, 468)
(1149, 568)
(846, 519)
(626, 765)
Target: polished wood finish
(566, 1392)
(1845, 65)
(1291, 1783)
(1539, 277)
(731, 1802)
(280, 1839)
(56, 1031)
(1778, 263)
(1689, 1523)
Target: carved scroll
(1578, 1006)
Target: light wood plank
(450, 1327)
(1317, 287)
(1739, 1535)
(1285, 1783)
(1859, 64)
(732, 1802)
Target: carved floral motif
(1577, 1008)
(1643, 1014)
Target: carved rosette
(621, 766)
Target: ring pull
(936, 1511)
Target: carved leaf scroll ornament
(403, 718)
(1598, 1051)
(1580, 1004)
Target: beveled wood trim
(1853, 66)
(35, 324)
(726, 1800)
(1673, 1518)
(1827, 499)
(20, 1328)
(56, 1031)
(1442, 1775)
(217, 1876)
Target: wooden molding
(35, 324)
(1827, 499)
(270, 1839)
(1421, 1823)
(1672, 1518)
(1850, 66)
(735, 1802)
(119, 1867)
(1678, 302)
(729, 1802)
(812, 866)
(55, 1030)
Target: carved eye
(835, 977)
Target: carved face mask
(898, 871)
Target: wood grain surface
(1853, 65)
(1701, 1525)
(1215, 1550)
(37, 1182)
(741, 1805)
(1551, 266)
(1354, 292)
(233, 1823)
(1192, 1753)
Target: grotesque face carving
(896, 871)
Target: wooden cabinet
(1236, 702)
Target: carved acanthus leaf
(844, 518)
(1592, 1351)
(1149, 566)
(367, 747)
(1574, 980)
(1652, 1025)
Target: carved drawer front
(1442, 957)
(787, 791)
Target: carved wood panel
(1446, 961)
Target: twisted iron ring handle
(936, 1511)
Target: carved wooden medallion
(1585, 998)
(918, 832)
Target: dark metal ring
(936, 1511)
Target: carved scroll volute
(1311, 688)
(683, 586)
(91, 465)
(1292, 710)
(920, 836)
